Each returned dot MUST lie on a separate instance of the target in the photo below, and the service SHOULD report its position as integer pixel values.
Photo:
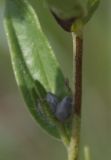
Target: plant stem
(78, 75)
(73, 151)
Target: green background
(20, 137)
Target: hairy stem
(73, 150)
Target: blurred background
(20, 137)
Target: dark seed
(64, 109)
(52, 101)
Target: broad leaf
(35, 66)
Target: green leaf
(79, 23)
(68, 8)
(72, 15)
(92, 6)
(35, 66)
